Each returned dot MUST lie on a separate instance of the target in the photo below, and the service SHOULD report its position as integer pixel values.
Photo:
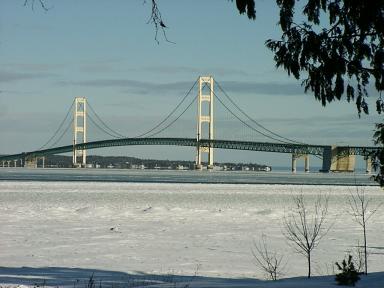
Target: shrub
(348, 274)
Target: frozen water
(161, 228)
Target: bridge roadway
(299, 149)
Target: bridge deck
(192, 142)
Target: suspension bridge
(205, 140)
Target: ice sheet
(170, 228)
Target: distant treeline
(122, 162)
(125, 162)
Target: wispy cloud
(139, 87)
(269, 88)
(33, 67)
(143, 87)
(222, 71)
(6, 76)
(103, 66)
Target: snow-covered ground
(128, 232)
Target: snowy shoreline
(79, 277)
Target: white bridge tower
(80, 131)
(205, 115)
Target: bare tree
(304, 229)
(359, 205)
(268, 261)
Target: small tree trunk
(309, 264)
(365, 251)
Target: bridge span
(330, 154)
(335, 158)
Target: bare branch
(357, 253)
(157, 21)
(32, 2)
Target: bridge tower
(204, 115)
(79, 131)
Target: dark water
(165, 176)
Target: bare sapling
(268, 261)
(359, 205)
(303, 228)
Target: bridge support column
(202, 98)
(338, 159)
(3, 163)
(22, 160)
(296, 157)
(294, 162)
(8, 163)
(368, 165)
(306, 163)
(342, 160)
(327, 159)
(79, 131)
(14, 163)
(30, 162)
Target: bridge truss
(192, 142)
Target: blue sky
(105, 51)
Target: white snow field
(133, 235)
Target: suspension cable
(254, 121)
(119, 135)
(60, 126)
(116, 134)
(177, 118)
(245, 123)
(62, 134)
(98, 126)
(161, 130)
(169, 115)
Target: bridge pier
(327, 159)
(368, 165)
(296, 157)
(22, 159)
(306, 163)
(294, 163)
(8, 163)
(198, 167)
(3, 163)
(338, 159)
(30, 162)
